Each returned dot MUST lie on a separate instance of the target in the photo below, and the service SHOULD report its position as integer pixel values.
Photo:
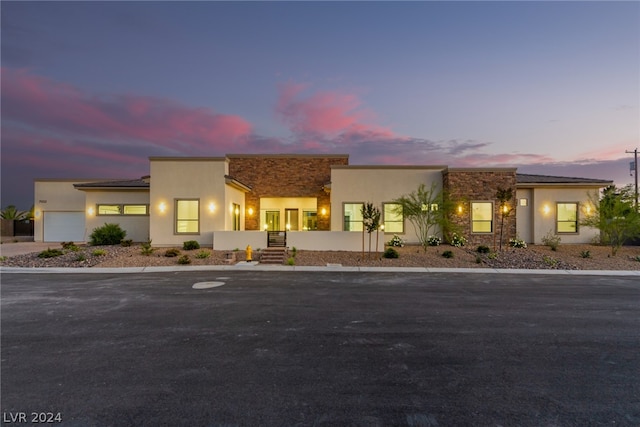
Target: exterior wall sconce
(323, 211)
(37, 213)
(546, 209)
(90, 211)
(212, 207)
(460, 209)
(505, 209)
(250, 211)
(382, 227)
(162, 207)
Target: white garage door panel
(63, 226)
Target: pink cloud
(42, 103)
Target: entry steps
(273, 256)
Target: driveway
(321, 348)
(20, 248)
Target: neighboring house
(229, 202)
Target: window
(109, 210)
(393, 219)
(481, 217)
(123, 210)
(188, 216)
(352, 216)
(567, 217)
(309, 220)
(524, 202)
(235, 213)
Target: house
(229, 202)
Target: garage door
(63, 226)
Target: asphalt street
(320, 349)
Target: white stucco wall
(136, 226)
(56, 195)
(190, 178)
(542, 208)
(378, 185)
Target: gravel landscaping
(567, 257)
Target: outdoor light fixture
(250, 211)
(546, 209)
(162, 207)
(91, 211)
(212, 207)
(37, 213)
(266, 227)
(381, 227)
(323, 211)
(459, 209)
(505, 209)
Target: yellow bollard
(249, 251)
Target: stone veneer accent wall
(479, 185)
(285, 176)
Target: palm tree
(12, 213)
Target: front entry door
(291, 218)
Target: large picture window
(567, 217)
(309, 220)
(392, 218)
(188, 216)
(352, 217)
(481, 217)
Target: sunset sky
(92, 89)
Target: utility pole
(635, 165)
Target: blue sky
(92, 89)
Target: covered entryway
(288, 213)
(63, 226)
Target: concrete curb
(333, 268)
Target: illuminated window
(123, 209)
(352, 216)
(235, 214)
(481, 217)
(524, 202)
(309, 220)
(109, 209)
(567, 217)
(188, 216)
(136, 209)
(393, 219)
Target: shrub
(81, 258)
(517, 243)
(492, 255)
(294, 251)
(550, 261)
(184, 259)
(585, 254)
(291, 261)
(390, 253)
(552, 240)
(173, 252)
(108, 234)
(146, 248)
(203, 254)
(396, 241)
(447, 254)
(478, 259)
(434, 241)
(483, 249)
(190, 245)
(70, 246)
(636, 258)
(98, 252)
(126, 243)
(50, 253)
(458, 241)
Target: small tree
(425, 209)
(504, 196)
(614, 215)
(12, 213)
(371, 222)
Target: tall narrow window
(481, 217)
(567, 217)
(309, 220)
(393, 219)
(235, 213)
(188, 216)
(352, 218)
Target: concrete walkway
(19, 248)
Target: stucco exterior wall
(56, 195)
(284, 176)
(200, 178)
(136, 226)
(543, 212)
(468, 185)
(378, 185)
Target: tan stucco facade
(136, 226)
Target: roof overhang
(236, 184)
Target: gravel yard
(567, 257)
